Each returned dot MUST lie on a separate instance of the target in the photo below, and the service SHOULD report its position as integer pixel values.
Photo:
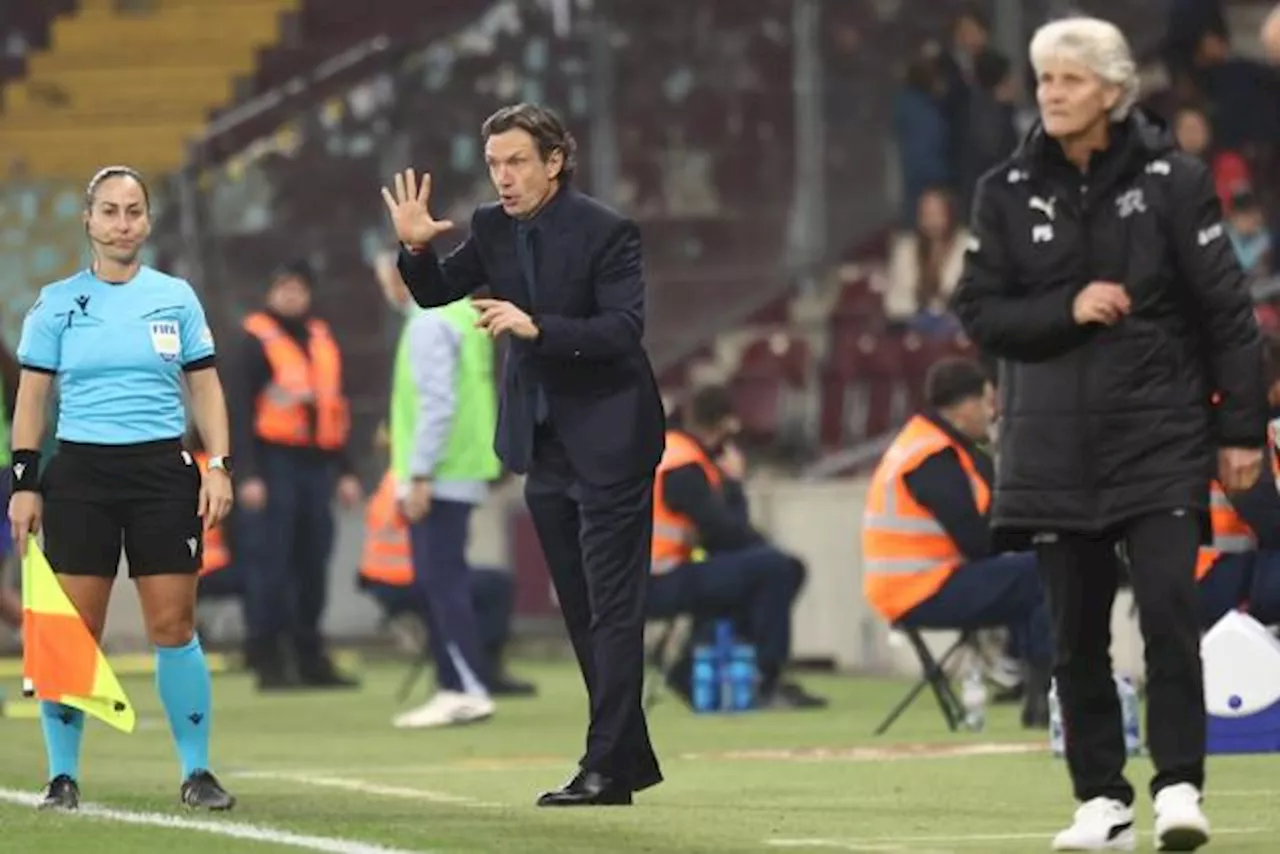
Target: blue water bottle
(706, 682)
(724, 662)
(742, 676)
(1130, 710)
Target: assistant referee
(119, 337)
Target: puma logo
(1045, 206)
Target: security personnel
(699, 503)
(291, 422)
(1224, 569)
(216, 554)
(926, 546)
(386, 573)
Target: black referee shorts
(143, 497)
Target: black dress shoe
(587, 789)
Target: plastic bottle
(973, 697)
(724, 664)
(1057, 735)
(1131, 715)
(742, 677)
(706, 684)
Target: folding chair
(934, 676)
(666, 642)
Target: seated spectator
(924, 267)
(699, 503)
(921, 132)
(1247, 228)
(1242, 566)
(926, 536)
(1194, 135)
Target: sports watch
(223, 462)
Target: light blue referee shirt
(118, 351)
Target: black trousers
(1081, 575)
(596, 541)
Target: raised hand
(415, 227)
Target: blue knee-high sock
(63, 729)
(182, 680)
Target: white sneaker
(1180, 823)
(446, 708)
(1102, 824)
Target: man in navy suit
(580, 411)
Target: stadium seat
(933, 676)
(772, 371)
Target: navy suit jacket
(602, 398)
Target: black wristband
(26, 471)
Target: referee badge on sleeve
(166, 339)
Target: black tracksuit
(1110, 437)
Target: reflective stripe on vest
(300, 381)
(387, 557)
(906, 554)
(1231, 534)
(674, 535)
(216, 555)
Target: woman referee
(118, 337)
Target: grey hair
(1097, 45)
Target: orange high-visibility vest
(906, 554)
(387, 557)
(216, 555)
(299, 380)
(1231, 534)
(674, 535)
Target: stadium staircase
(132, 87)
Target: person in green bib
(443, 414)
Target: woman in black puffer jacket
(1101, 277)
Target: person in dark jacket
(1101, 276)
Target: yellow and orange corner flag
(61, 661)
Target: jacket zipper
(1086, 363)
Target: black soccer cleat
(62, 793)
(203, 791)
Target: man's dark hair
(952, 381)
(297, 269)
(709, 406)
(971, 12)
(546, 128)
(990, 69)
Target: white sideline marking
(366, 788)
(904, 843)
(232, 829)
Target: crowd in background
(960, 110)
